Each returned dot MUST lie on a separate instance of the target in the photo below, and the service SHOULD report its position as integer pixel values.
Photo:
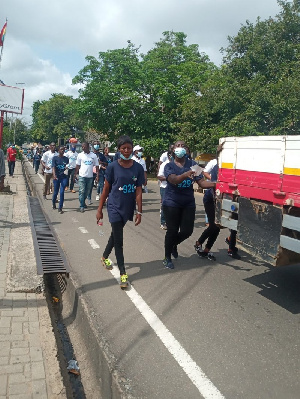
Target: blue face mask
(126, 159)
(139, 154)
(96, 146)
(180, 152)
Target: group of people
(64, 166)
(120, 185)
(178, 173)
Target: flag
(2, 34)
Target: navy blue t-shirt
(209, 194)
(180, 195)
(121, 199)
(101, 158)
(60, 163)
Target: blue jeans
(100, 183)
(85, 185)
(162, 196)
(59, 185)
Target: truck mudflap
(264, 230)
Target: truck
(258, 195)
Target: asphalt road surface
(223, 329)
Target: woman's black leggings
(180, 225)
(116, 241)
(212, 231)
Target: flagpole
(2, 45)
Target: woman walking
(123, 188)
(179, 205)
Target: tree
(256, 90)
(126, 92)
(55, 118)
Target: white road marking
(74, 220)
(83, 230)
(193, 371)
(93, 244)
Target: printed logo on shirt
(134, 178)
(88, 162)
(127, 188)
(185, 183)
(61, 167)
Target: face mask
(126, 159)
(96, 146)
(139, 154)
(180, 152)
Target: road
(223, 329)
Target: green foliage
(129, 93)
(55, 118)
(14, 131)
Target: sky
(46, 41)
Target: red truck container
(258, 195)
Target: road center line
(93, 244)
(83, 230)
(193, 371)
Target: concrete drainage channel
(75, 330)
(53, 266)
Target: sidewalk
(28, 362)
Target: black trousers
(116, 241)
(232, 240)
(180, 225)
(71, 173)
(36, 166)
(212, 231)
(11, 167)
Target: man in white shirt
(85, 163)
(162, 189)
(165, 155)
(47, 164)
(137, 157)
(72, 154)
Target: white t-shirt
(141, 161)
(86, 163)
(72, 158)
(163, 184)
(164, 157)
(211, 164)
(47, 158)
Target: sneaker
(90, 202)
(124, 281)
(97, 197)
(60, 210)
(174, 252)
(53, 206)
(163, 226)
(233, 255)
(168, 263)
(235, 249)
(107, 263)
(209, 255)
(85, 206)
(81, 210)
(198, 249)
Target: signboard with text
(11, 99)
